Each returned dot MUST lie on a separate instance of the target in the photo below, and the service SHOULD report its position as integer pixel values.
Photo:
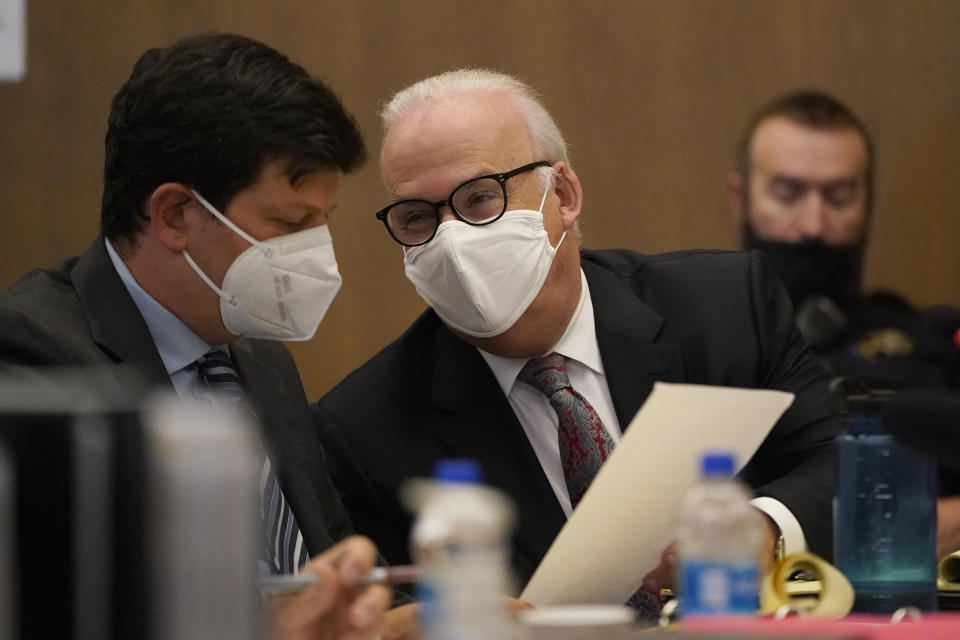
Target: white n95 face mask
(480, 280)
(278, 289)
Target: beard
(811, 269)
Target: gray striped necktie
(282, 549)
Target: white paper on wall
(13, 40)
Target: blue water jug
(885, 515)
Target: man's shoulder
(40, 304)
(627, 263)
(415, 348)
(412, 350)
(697, 293)
(692, 275)
(39, 289)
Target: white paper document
(629, 514)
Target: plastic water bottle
(885, 515)
(719, 542)
(461, 542)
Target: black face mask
(812, 269)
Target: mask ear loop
(240, 232)
(220, 292)
(540, 211)
(222, 218)
(543, 199)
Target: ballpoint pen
(272, 585)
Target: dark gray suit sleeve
(25, 340)
(366, 509)
(795, 464)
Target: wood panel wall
(651, 94)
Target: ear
(570, 192)
(736, 196)
(165, 208)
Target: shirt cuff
(793, 538)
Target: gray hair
(546, 141)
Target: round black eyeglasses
(477, 201)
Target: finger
(401, 622)
(515, 605)
(651, 581)
(669, 555)
(659, 578)
(367, 610)
(322, 594)
(352, 557)
(303, 609)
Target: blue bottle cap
(716, 464)
(463, 470)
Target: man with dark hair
(223, 161)
(803, 194)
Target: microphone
(928, 421)
(820, 320)
(938, 340)
(942, 325)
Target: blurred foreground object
(461, 542)
(8, 575)
(202, 496)
(885, 515)
(825, 594)
(128, 524)
(935, 626)
(578, 622)
(719, 540)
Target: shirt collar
(578, 342)
(178, 345)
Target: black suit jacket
(705, 317)
(80, 313)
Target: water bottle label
(715, 587)
(427, 595)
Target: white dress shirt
(178, 345)
(585, 369)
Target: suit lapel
(289, 440)
(626, 331)
(115, 322)
(476, 421)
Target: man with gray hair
(535, 353)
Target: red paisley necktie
(584, 441)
